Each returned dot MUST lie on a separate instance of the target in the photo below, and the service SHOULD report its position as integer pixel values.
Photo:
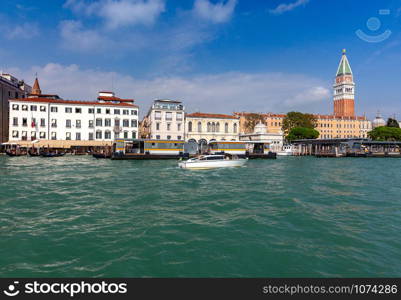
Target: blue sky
(215, 56)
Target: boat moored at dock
(140, 149)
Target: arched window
(199, 127)
(213, 127)
(190, 126)
(235, 127)
(226, 128)
(209, 127)
(217, 127)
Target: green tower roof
(344, 67)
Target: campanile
(344, 90)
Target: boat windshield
(213, 157)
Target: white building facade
(164, 121)
(205, 127)
(48, 117)
(261, 134)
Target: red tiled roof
(72, 102)
(205, 115)
(106, 98)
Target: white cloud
(282, 8)
(18, 31)
(76, 38)
(219, 12)
(223, 93)
(120, 13)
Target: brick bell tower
(344, 90)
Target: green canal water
(290, 217)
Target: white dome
(379, 121)
(260, 128)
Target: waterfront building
(10, 87)
(164, 121)
(50, 119)
(262, 135)
(343, 123)
(203, 128)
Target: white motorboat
(212, 162)
(288, 150)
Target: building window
(179, 127)
(42, 122)
(78, 110)
(168, 126)
(107, 111)
(157, 126)
(213, 127)
(54, 123)
(91, 110)
(107, 122)
(15, 107)
(42, 135)
(217, 127)
(43, 108)
(125, 112)
(24, 135)
(99, 122)
(15, 121)
(179, 116)
(169, 137)
(33, 123)
(117, 122)
(98, 135)
(179, 137)
(126, 134)
(78, 123)
(226, 128)
(169, 116)
(116, 111)
(134, 134)
(25, 107)
(68, 110)
(134, 112)
(91, 136)
(157, 137)
(24, 122)
(53, 109)
(189, 126)
(158, 115)
(209, 127)
(199, 127)
(54, 136)
(134, 123)
(68, 136)
(15, 133)
(34, 108)
(68, 123)
(78, 136)
(235, 127)
(107, 134)
(90, 124)
(125, 123)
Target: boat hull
(203, 165)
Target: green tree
(296, 119)
(300, 133)
(392, 123)
(251, 120)
(385, 133)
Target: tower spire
(36, 87)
